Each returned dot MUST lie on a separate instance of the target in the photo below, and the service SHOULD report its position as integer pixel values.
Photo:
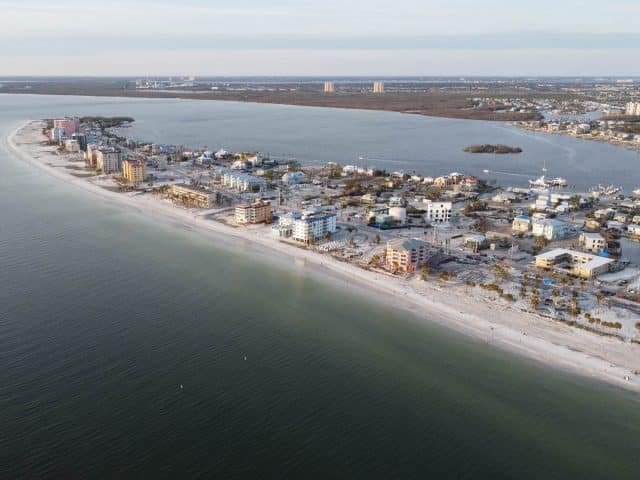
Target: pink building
(70, 125)
(406, 255)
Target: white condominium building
(243, 182)
(553, 229)
(633, 108)
(592, 242)
(313, 226)
(108, 160)
(438, 212)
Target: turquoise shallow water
(104, 314)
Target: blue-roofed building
(521, 224)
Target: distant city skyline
(329, 38)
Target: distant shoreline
(429, 105)
(494, 322)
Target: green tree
(534, 300)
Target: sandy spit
(496, 323)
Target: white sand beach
(494, 322)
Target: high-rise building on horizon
(329, 87)
(378, 87)
(633, 108)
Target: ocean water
(387, 140)
(133, 348)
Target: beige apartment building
(406, 254)
(258, 211)
(579, 264)
(108, 160)
(378, 87)
(192, 196)
(91, 155)
(133, 171)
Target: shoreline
(589, 138)
(409, 109)
(524, 334)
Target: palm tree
(534, 301)
(574, 310)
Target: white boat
(540, 182)
(607, 190)
(637, 192)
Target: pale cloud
(133, 36)
(330, 63)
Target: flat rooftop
(585, 259)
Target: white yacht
(540, 182)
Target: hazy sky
(320, 37)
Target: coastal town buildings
(443, 181)
(329, 87)
(313, 225)
(572, 262)
(284, 227)
(396, 202)
(193, 196)
(552, 229)
(406, 255)
(258, 211)
(542, 203)
(604, 214)
(56, 134)
(475, 242)
(592, 242)
(292, 178)
(398, 215)
(91, 155)
(437, 212)
(521, 224)
(491, 229)
(243, 182)
(69, 125)
(633, 108)
(108, 160)
(133, 171)
(634, 230)
(81, 138)
(469, 183)
(504, 198)
(71, 145)
(378, 87)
